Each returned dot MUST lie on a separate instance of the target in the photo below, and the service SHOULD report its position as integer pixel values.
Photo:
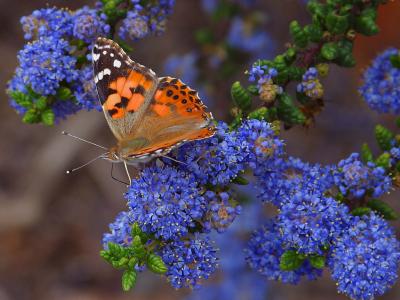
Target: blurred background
(51, 224)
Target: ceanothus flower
(381, 88)
(134, 26)
(216, 160)
(266, 87)
(85, 89)
(120, 230)
(165, 202)
(45, 63)
(310, 85)
(222, 212)
(47, 22)
(357, 178)
(263, 253)
(365, 259)
(309, 221)
(189, 261)
(88, 25)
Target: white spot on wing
(104, 52)
(112, 54)
(107, 71)
(117, 63)
(100, 75)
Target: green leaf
(240, 96)
(314, 32)
(288, 112)
(365, 23)
(64, 93)
(300, 36)
(41, 103)
(317, 261)
(132, 262)
(240, 180)
(31, 116)
(138, 247)
(156, 264)
(383, 208)
(395, 61)
(253, 89)
(116, 251)
(106, 255)
(383, 160)
(128, 280)
(384, 137)
(329, 51)
(48, 117)
(262, 113)
(336, 24)
(366, 153)
(291, 260)
(21, 99)
(360, 211)
(204, 36)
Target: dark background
(51, 224)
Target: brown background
(51, 224)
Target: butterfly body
(148, 115)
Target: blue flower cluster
(310, 85)
(381, 88)
(364, 260)
(355, 178)
(57, 56)
(266, 87)
(171, 201)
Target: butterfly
(148, 115)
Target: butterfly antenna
(85, 164)
(83, 140)
(175, 160)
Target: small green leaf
(128, 280)
(317, 261)
(360, 211)
(48, 117)
(337, 24)
(138, 247)
(384, 137)
(64, 93)
(240, 180)
(395, 60)
(366, 153)
(365, 23)
(299, 35)
(156, 264)
(116, 251)
(291, 260)
(253, 89)
(288, 111)
(383, 208)
(41, 103)
(383, 160)
(132, 262)
(21, 99)
(31, 116)
(329, 51)
(240, 96)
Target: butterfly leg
(127, 173)
(115, 178)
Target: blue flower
(189, 261)
(365, 259)
(381, 88)
(120, 231)
(47, 22)
(134, 26)
(183, 67)
(165, 202)
(45, 63)
(356, 178)
(263, 253)
(85, 89)
(88, 25)
(266, 87)
(309, 221)
(216, 160)
(17, 84)
(245, 36)
(310, 85)
(64, 108)
(221, 211)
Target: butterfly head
(113, 155)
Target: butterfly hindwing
(125, 88)
(176, 115)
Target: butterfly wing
(125, 88)
(175, 115)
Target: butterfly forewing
(125, 88)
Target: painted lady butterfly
(148, 115)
